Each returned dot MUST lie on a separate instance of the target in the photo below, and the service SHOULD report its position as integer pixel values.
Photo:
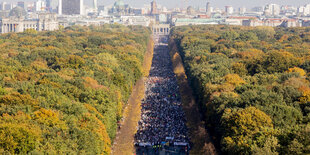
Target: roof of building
(18, 12)
(198, 20)
(119, 3)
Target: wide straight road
(162, 128)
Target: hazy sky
(195, 3)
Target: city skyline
(197, 3)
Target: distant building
(291, 23)
(6, 6)
(304, 10)
(2, 6)
(39, 5)
(272, 10)
(258, 9)
(72, 7)
(119, 8)
(306, 23)
(163, 18)
(52, 5)
(154, 10)
(288, 10)
(135, 20)
(17, 22)
(307, 10)
(208, 9)
(229, 10)
(137, 11)
(265, 22)
(237, 20)
(49, 6)
(190, 10)
(101, 8)
(95, 5)
(242, 10)
(273, 22)
(196, 21)
(59, 9)
(300, 10)
(21, 4)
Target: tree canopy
(251, 84)
(63, 92)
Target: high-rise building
(39, 5)
(95, 5)
(307, 10)
(190, 10)
(154, 8)
(49, 5)
(272, 10)
(6, 6)
(242, 10)
(229, 10)
(208, 9)
(72, 7)
(59, 7)
(258, 9)
(2, 5)
(21, 4)
(301, 10)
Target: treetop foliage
(252, 85)
(63, 92)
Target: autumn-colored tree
(30, 31)
(274, 63)
(49, 118)
(17, 134)
(234, 79)
(53, 81)
(92, 123)
(305, 98)
(239, 68)
(243, 129)
(298, 70)
(18, 99)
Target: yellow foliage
(18, 99)
(49, 118)
(251, 54)
(19, 117)
(18, 138)
(305, 94)
(39, 64)
(298, 70)
(92, 123)
(30, 31)
(92, 83)
(226, 87)
(91, 109)
(239, 68)
(234, 79)
(46, 81)
(22, 76)
(67, 73)
(18, 135)
(242, 125)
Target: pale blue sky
(201, 3)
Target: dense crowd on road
(162, 117)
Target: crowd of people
(162, 117)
